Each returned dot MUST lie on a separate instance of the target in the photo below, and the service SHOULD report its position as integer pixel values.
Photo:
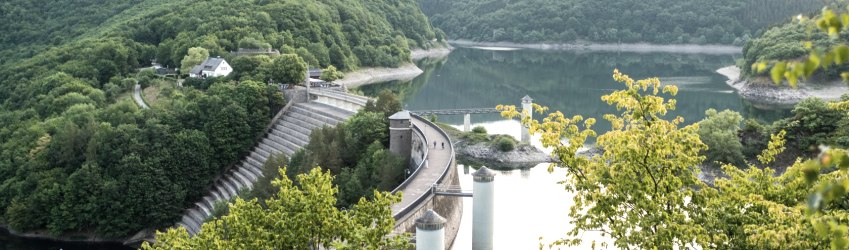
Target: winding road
(137, 97)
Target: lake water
(572, 82)
(529, 202)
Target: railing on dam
(423, 197)
(419, 165)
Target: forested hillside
(30, 27)
(611, 21)
(787, 42)
(74, 158)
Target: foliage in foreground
(802, 48)
(300, 216)
(643, 191)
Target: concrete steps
(288, 135)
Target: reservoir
(531, 208)
(569, 81)
(529, 202)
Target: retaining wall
(449, 207)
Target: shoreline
(438, 52)
(763, 91)
(407, 71)
(366, 76)
(622, 47)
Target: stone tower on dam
(401, 134)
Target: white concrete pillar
(467, 122)
(527, 111)
(483, 209)
(430, 231)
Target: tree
(250, 67)
(191, 161)
(287, 68)
(330, 74)
(364, 128)
(642, 190)
(263, 188)
(285, 224)
(813, 123)
(229, 133)
(826, 207)
(387, 103)
(719, 132)
(195, 56)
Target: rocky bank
(523, 156)
(761, 90)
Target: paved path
(137, 97)
(437, 158)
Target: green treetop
(643, 192)
(195, 56)
(300, 216)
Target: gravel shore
(365, 76)
(761, 90)
(407, 71)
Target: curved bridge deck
(438, 162)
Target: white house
(212, 67)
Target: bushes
(719, 132)
(474, 138)
(753, 137)
(479, 130)
(813, 123)
(504, 143)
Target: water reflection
(529, 202)
(525, 209)
(572, 82)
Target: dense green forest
(611, 21)
(786, 42)
(74, 158)
(31, 27)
